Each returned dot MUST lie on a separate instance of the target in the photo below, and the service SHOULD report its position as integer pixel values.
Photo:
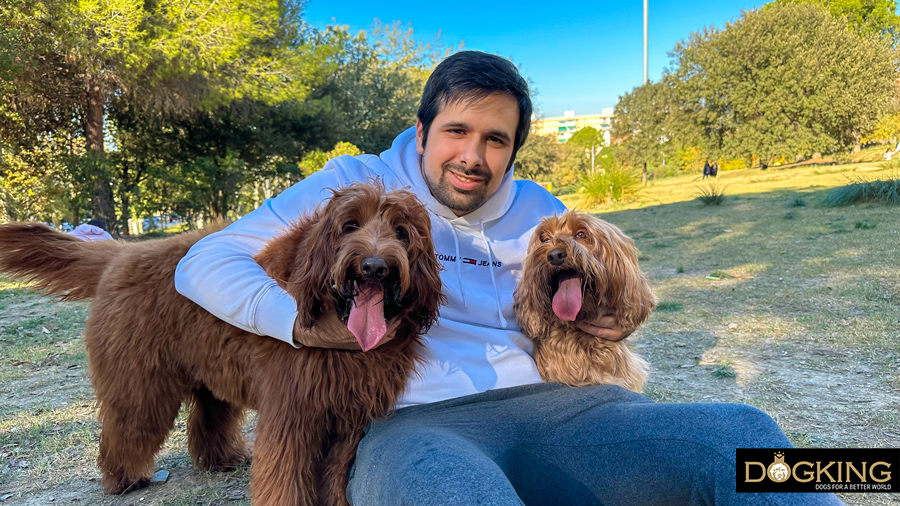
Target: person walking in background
(706, 169)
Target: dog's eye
(545, 239)
(402, 234)
(350, 226)
(581, 235)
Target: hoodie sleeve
(220, 274)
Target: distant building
(569, 123)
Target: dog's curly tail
(57, 262)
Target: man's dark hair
(98, 223)
(473, 75)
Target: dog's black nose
(557, 256)
(374, 268)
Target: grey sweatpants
(549, 444)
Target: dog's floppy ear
(298, 260)
(425, 280)
(279, 256)
(314, 261)
(532, 293)
(628, 292)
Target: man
(477, 425)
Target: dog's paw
(120, 484)
(225, 461)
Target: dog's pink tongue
(567, 301)
(366, 321)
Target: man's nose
(472, 154)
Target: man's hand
(330, 332)
(604, 327)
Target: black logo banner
(818, 470)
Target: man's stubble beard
(447, 194)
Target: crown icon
(779, 456)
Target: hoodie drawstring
(458, 260)
(487, 246)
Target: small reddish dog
(579, 268)
(367, 256)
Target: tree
(315, 161)
(866, 17)
(780, 82)
(202, 164)
(538, 158)
(650, 125)
(586, 138)
(75, 58)
(376, 88)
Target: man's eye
(402, 234)
(495, 139)
(350, 226)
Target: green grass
(880, 190)
(668, 306)
(725, 371)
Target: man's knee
(418, 451)
(750, 426)
(426, 466)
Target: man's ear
(420, 137)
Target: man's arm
(220, 274)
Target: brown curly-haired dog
(150, 349)
(577, 269)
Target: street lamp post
(646, 9)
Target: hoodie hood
(403, 153)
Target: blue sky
(581, 55)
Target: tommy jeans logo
(466, 260)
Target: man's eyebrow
(501, 134)
(456, 124)
(465, 126)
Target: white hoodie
(475, 345)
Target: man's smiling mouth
(468, 179)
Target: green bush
(664, 171)
(797, 202)
(712, 194)
(861, 190)
(608, 186)
(565, 189)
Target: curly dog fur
(150, 349)
(598, 267)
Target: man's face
(469, 147)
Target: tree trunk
(102, 205)
(126, 214)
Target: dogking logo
(778, 470)
(818, 470)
